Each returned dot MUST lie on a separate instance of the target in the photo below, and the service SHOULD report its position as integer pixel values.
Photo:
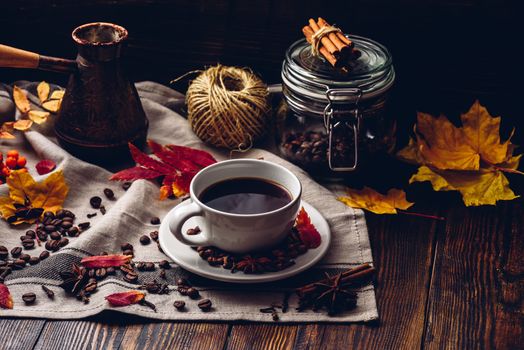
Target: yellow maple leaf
(371, 200)
(442, 145)
(24, 190)
(43, 91)
(39, 117)
(483, 187)
(57, 95)
(6, 130)
(21, 101)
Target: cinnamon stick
(325, 41)
(308, 33)
(349, 275)
(342, 46)
(340, 36)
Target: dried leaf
(23, 124)
(57, 95)
(6, 135)
(21, 101)
(45, 166)
(38, 117)
(484, 187)
(307, 231)
(375, 202)
(52, 106)
(125, 298)
(177, 164)
(6, 300)
(47, 195)
(95, 262)
(43, 91)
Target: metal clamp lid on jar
(313, 88)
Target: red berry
(11, 162)
(13, 154)
(21, 161)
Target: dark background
(447, 53)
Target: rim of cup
(293, 201)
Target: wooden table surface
(457, 283)
(454, 284)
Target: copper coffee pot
(101, 111)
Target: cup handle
(180, 216)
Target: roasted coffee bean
(152, 287)
(30, 234)
(29, 298)
(24, 237)
(84, 225)
(164, 264)
(111, 270)
(91, 287)
(66, 225)
(182, 282)
(44, 255)
(25, 257)
(131, 277)
(3, 263)
(127, 269)
(50, 294)
(179, 304)
(68, 213)
(145, 240)
(205, 304)
(140, 266)
(49, 214)
(50, 228)
(103, 210)
(91, 215)
(52, 245)
(42, 235)
(63, 242)
(68, 219)
(56, 222)
(19, 264)
(149, 266)
(16, 251)
(193, 293)
(128, 252)
(126, 185)
(182, 290)
(162, 274)
(109, 193)
(155, 220)
(193, 231)
(72, 232)
(95, 202)
(101, 273)
(4, 253)
(61, 213)
(154, 235)
(126, 246)
(55, 235)
(28, 243)
(7, 271)
(34, 260)
(91, 273)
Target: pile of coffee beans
(276, 259)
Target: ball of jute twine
(228, 107)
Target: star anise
(250, 264)
(335, 293)
(73, 281)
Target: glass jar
(332, 122)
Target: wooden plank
(262, 336)
(171, 335)
(476, 298)
(19, 333)
(96, 333)
(402, 252)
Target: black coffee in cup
(245, 195)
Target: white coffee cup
(237, 233)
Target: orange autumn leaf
(23, 124)
(98, 261)
(125, 298)
(57, 95)
(375, 202)
(6, 300)
(21, 101)
(52, 106)
(307, 231)
(26, 193)
(43, 91)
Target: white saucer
(187, 258)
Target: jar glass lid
(311, 76)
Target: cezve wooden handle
(11, 57)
